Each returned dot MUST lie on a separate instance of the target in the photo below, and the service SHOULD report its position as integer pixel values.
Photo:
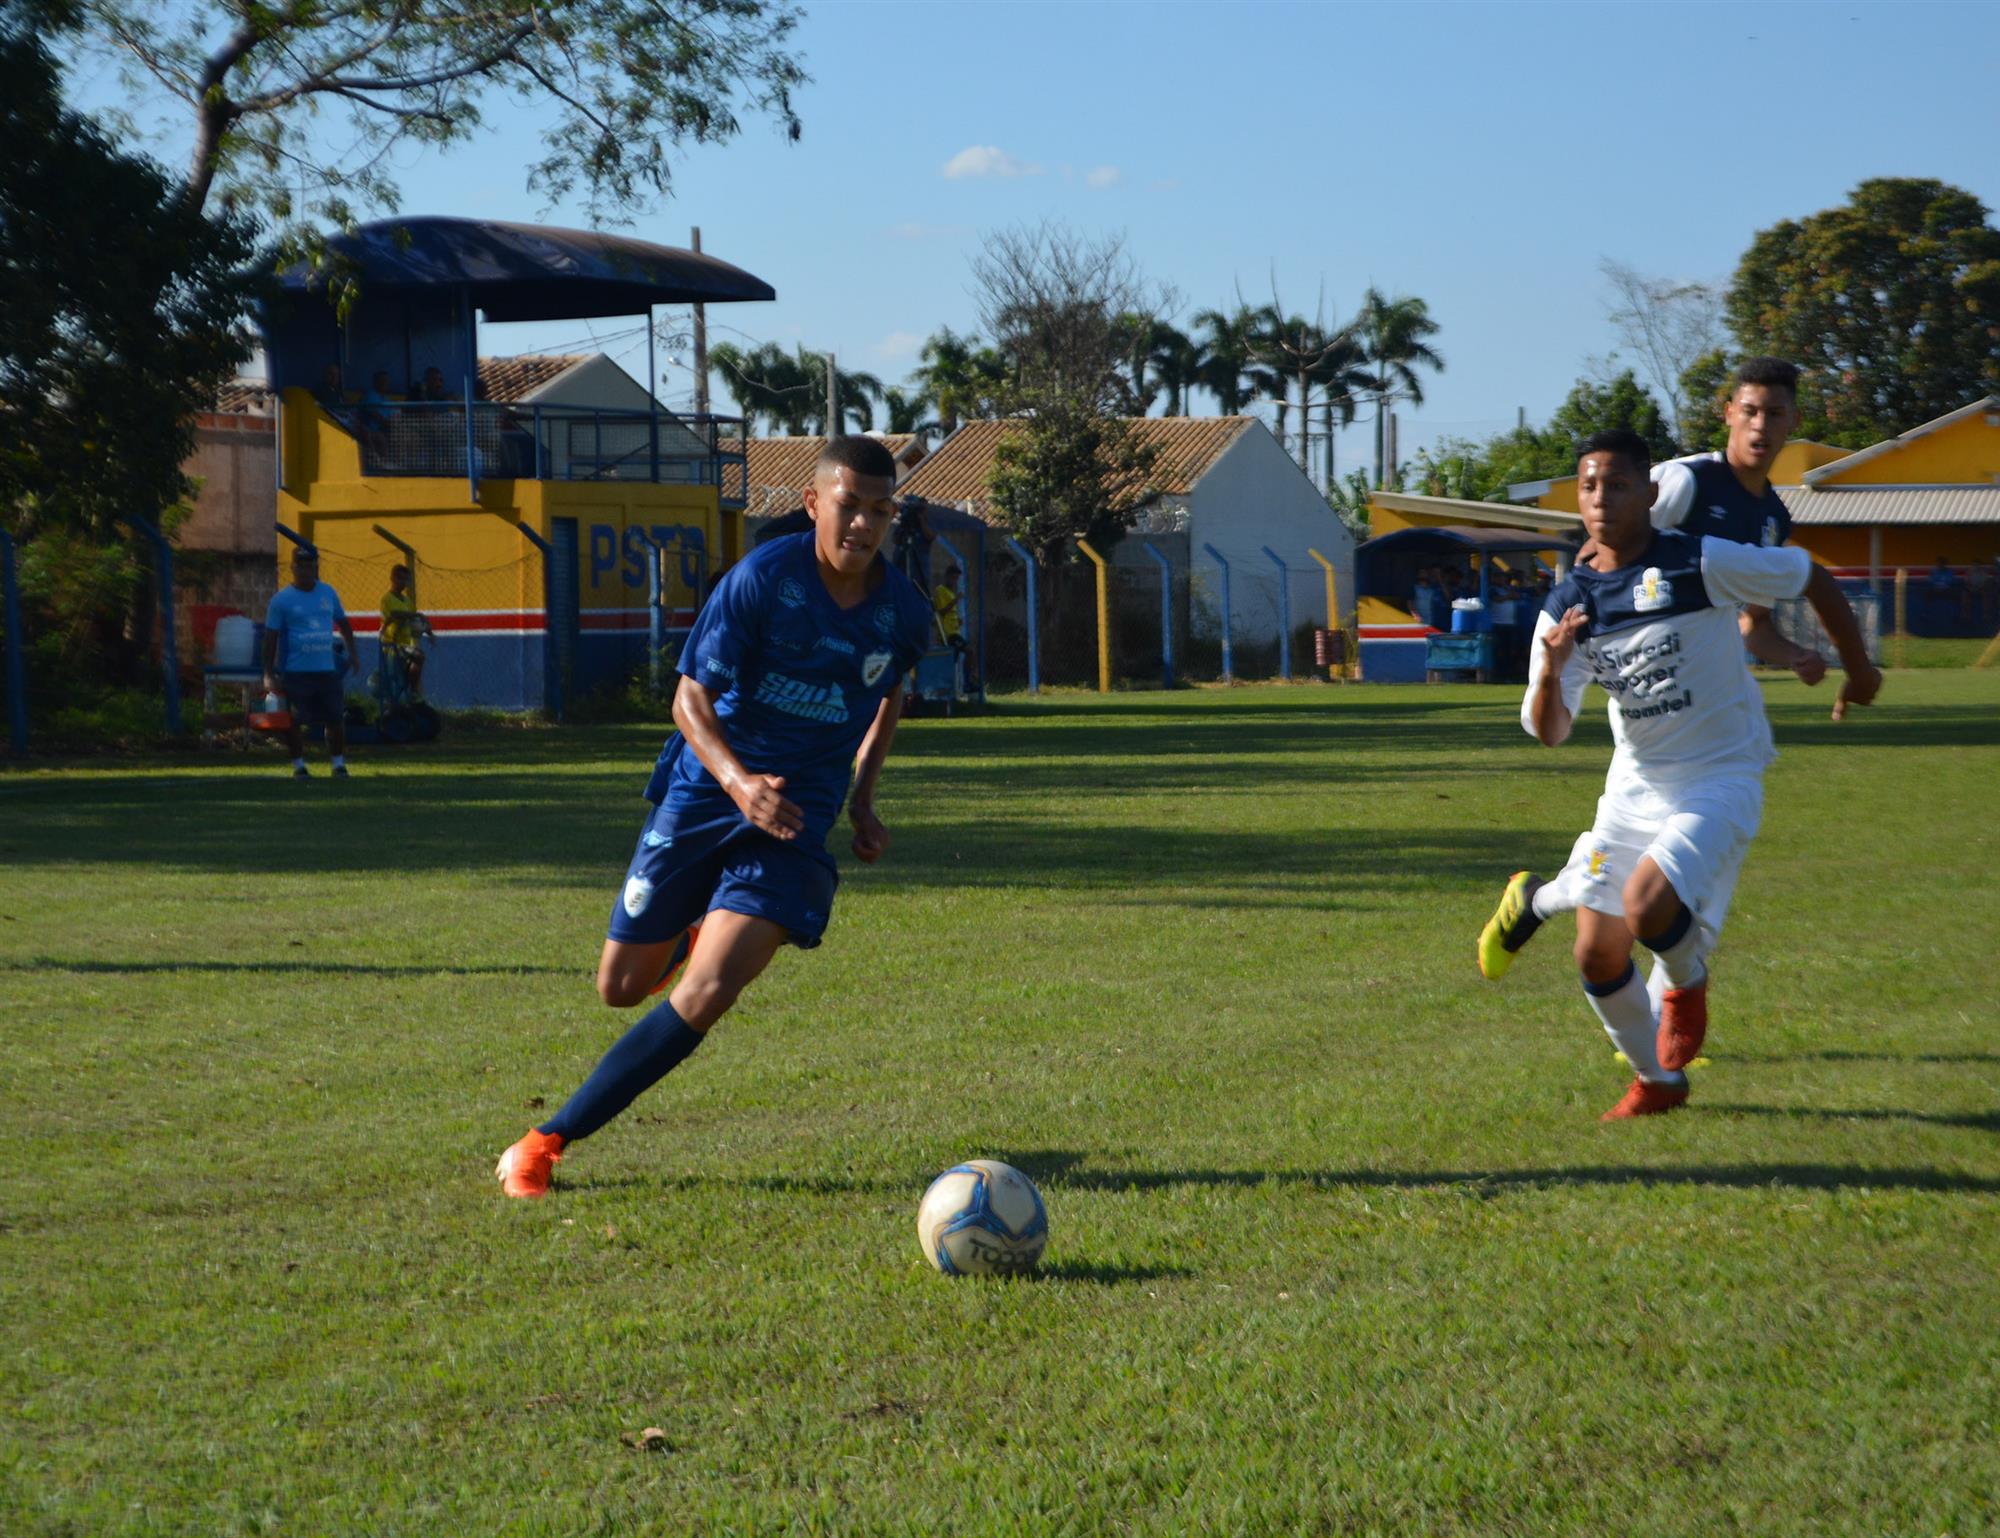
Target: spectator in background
(951, 625)
(913, 542)
(377, 414)
(431, 387)
(328, 392)
(402, 625)
(1425, 597)
(298, 649)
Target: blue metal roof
(532, 271)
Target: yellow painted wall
(1914, 546)
(1966, 452)
(471, 556)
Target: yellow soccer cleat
(1513, 924)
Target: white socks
(1630, 1022)
(1552, 897)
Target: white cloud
(897, 344)
(1103, 176)
(987, 160)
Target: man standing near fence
(298, 652)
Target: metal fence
(547, 443)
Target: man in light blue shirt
(298, 650)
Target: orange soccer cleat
(1645, 1098)
(524, 1169)
(683, 954)
(1683, 1025)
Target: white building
(1219, 487)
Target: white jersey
(1700, 494)
(1662, 642)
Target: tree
(270, 85)
(1226, 356)
(1890, 304)
(124, 313)
(1176, 364)
(961, 378)
(1295, 351)
(908, 410)
(1393, 334)
(1594, 408)
(1669, 325)
(1053, 300)
(788, 389)
(1704, 389)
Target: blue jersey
(1701, 495)
(303, 622)
(799, 679)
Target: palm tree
(1226, 357)
(908, 411)
(1392, 335)
(1340, 377)
(856, 391)
(961, 378)
(1176, 363)
(764, 383)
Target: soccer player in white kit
(1652, 618)
(1728, 495)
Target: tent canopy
(1385, 567)
(531, 271)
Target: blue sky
(1483, 156)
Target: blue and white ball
(982, 1218)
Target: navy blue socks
(642, 1057)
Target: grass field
(1338, 1243)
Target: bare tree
(1668, 325)
(1058, 303)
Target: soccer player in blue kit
(791, 680)
(1651, 617)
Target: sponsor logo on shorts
(790, 594)
(1597, 865)
(638, 892)
(1653, 592)
(873, 666)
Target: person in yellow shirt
(944, 603)
(402, 624)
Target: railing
(549, 443)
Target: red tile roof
(961, 467)
(510, 379)
(780, 469)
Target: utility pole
(832, 399)
(1520, 419)
(1392, 446)
(700, 345)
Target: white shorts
(1697, 834)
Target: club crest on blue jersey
(1772, 536)
(638, 892)
(872, 667)
(885, 618)
(791, 594)
(1653, 592)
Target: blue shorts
(692, 860)
(316, 699)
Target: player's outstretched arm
(1548, 714)
(759, 797)
(1764, 641)
(871, 838)
(1863, 679)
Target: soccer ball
(982, 1218)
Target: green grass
(1923, 651)
(1339, 1245)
